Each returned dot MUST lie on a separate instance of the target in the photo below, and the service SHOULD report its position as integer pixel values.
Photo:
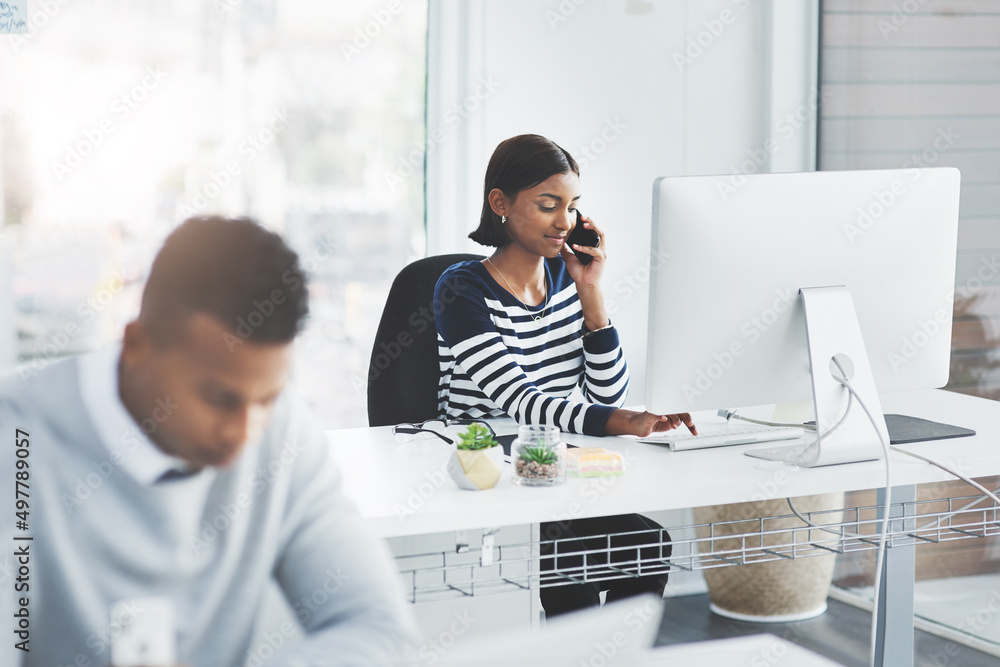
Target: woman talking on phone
(526, 326)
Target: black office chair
(403, 372)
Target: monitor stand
(832, 330)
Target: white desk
(403, 489)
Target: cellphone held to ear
(583, 236)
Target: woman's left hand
(586, 275)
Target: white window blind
(917, 83)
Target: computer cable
(884, 528)
(970, 482)
(885, 512)
(731, 414)
(919, 529)
(841, 532)
(986, 494)
(819, 526)
(887, 503)
(815, 444)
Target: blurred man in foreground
(174, 475)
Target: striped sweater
(496, 360)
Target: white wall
(631, 95)
(687, 87)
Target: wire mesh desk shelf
(510, 567)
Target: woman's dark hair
(518, 163)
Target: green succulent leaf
(476, 437)
(540, 455)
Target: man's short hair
(232, 269)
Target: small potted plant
(477, 460)
(539, 456)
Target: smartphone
(583, 236)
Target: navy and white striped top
(496, 360)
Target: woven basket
(775, 591)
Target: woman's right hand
(642, 424)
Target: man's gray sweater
(210, 543)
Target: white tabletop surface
(403, 489)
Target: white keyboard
(721, 435)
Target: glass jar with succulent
(477, 460)
(539, 456)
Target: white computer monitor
(727, 325)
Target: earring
(503, 219)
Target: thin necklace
(545, 301)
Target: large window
(913, 84)
(918, 84)
(120, 119)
